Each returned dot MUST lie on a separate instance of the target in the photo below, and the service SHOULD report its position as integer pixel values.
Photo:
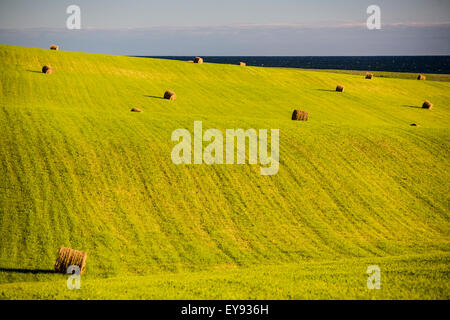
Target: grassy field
(385, 74)
(357, 185)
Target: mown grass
(404, 277)
(356, 182)
(387, 74)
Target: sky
(231, 27)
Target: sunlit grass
(356, 182)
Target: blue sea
(415, 64)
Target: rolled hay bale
(136, 110)
(54, 47)
(369, 75)
(47, 69)
(198, 60)
(170, 95)
(68, 257)
(340, 88)
(243, 64)
(300, 115)
(421, 77)
(427, 105)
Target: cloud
(245, 39)
(248, 26)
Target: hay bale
(68, 257)
(340, 88)
(47, 69)
(369, 75)
(421, 77)
(427, 105)
(300, 115)
(170, 95)
(415, 125)
(136, 110)
(54, 47)
(198, 60)
(243, 64)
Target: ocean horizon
(414, 64)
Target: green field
(357, 184)
(384, 74)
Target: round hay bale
(47, 69)
(427, 105)
(54, 47)
(170, 95)
(68, 257)
(300, 115)
(243, 64)
(369, 75)
(198, 60)
(421, 77)
(136, 110)
(340, 88)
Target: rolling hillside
(357, 185)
